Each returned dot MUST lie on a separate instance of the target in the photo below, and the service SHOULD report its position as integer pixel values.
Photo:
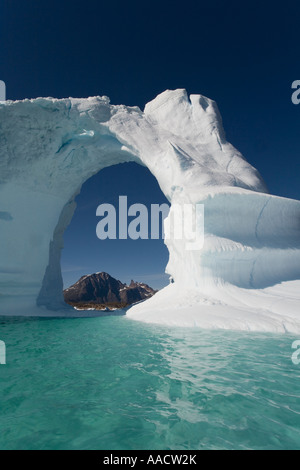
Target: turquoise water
(111, 383)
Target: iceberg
(246, 277)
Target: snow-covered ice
(247, 275)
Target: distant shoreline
(98, 306)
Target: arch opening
(75, 250)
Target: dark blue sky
(84, 253)
(245, 55)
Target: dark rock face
(101, 288)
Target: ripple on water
(111, 383)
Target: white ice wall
(49, 148)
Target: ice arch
(50, 147)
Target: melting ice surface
(111, 383)
(247, 275)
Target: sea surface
(113, 383)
